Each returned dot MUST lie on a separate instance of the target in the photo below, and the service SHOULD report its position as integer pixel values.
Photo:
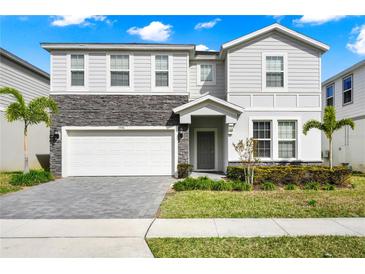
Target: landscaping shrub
(241, 186)
(312, 186)
(268, 186)
(299, 175)
(290, 187)
(222, 185)
(33, 177)
(328, 187)
(184, 170)
(201, 183)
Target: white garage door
(119, 153)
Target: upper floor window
(119, 70)
(77, 70)
(274, 71)
(161, 70)
(287, 139)
(206, 74)
(262, 137)
(347, 90)
(330, 94)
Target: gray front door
(205, 150)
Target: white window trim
(263, 71)
(86, 72)
(196, 130)
(264, 139)
(198, 77)
(333, 96)
(274, 135)
(131, 73)
(295, 139)
(352, 90)
(153, 73)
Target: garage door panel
(118, 153)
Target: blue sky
(21, 35)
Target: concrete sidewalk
(179, 228)
(88, 238)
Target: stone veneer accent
(116, 110)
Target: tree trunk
(26, 163)
(330, 153)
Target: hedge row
(299, 175)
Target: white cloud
(207, 25)
(358, 46)
(278, 18)
(317, 19)
(201, 47)
(155, 31)
(68, 20)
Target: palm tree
(36, 111)
(329, 126)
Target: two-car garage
(118, 151)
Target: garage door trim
(65, 138)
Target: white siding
(97, 72)
(357, 108)
(30, 84)
(217, 90)
(245, 64)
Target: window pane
(77, 61)
(329, 91)
(162, 79)
(119, 78)
(347, 83)
(274, 79)
(287, 130)
(262, 149)
(206, 73)
(274, 63)
(330, 101)
(347, 96)
(262, 130)
(77, 78)
(120, 62)
(286, 149)
(162, 62)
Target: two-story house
(346, 91)
(140, 109)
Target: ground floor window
(287, 139)
(262, 136)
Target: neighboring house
(32, 82)
(346, 91)
(139, 109)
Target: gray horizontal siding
(245, 64)
(30, 84)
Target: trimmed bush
(290, 187)
(33, 177)
(201, 183)
(184, 170)
(241, 186)
(299, 175)
(268, 186)
(312, 186)
(222, 185)
(329, 187)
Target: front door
(205, 150)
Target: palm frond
(39, 110)
(345, 122)
(14, 112)
(15, 93)
(312, 124)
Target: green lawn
(273, 247)
(5, 187)
(265, 204)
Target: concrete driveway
(87, 198)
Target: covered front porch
(210, 122)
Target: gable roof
(6, 54)
(208, 98)
(344, 72)
(279, 28)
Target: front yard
(342, 202)
(272, 247)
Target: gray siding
(97, 71)
(245, 64)
(58, 71)
(142, 71)
(357, 107)
(217, 90)
(30, 84)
